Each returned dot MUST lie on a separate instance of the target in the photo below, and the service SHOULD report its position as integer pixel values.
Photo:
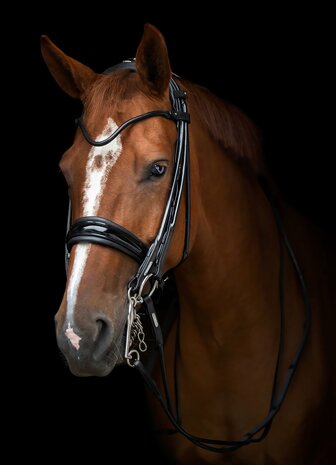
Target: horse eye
(158, 170)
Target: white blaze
(98, 166)
(81, 255)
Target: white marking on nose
(72, 336)
(81, 255)
(98, 166)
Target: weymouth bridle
(104, 232)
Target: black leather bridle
(104, 232)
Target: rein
(101, 231)
(260, 431)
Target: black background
(277, 68)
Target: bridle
(104, 232)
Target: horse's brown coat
(228, 287)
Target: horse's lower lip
(91, 367)
(99, 371)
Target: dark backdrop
(278, 70)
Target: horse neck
(229, 282)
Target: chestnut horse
(247, 281)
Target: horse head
(127, 181)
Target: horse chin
(100, 369)
(84, 366)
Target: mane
(228, 125)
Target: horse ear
(73, 77)
(152, 60)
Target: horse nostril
(103, 337)
(99, 327)
(104, 327)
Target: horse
(251, 348)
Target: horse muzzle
(90, 350)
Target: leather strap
(98, 230)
